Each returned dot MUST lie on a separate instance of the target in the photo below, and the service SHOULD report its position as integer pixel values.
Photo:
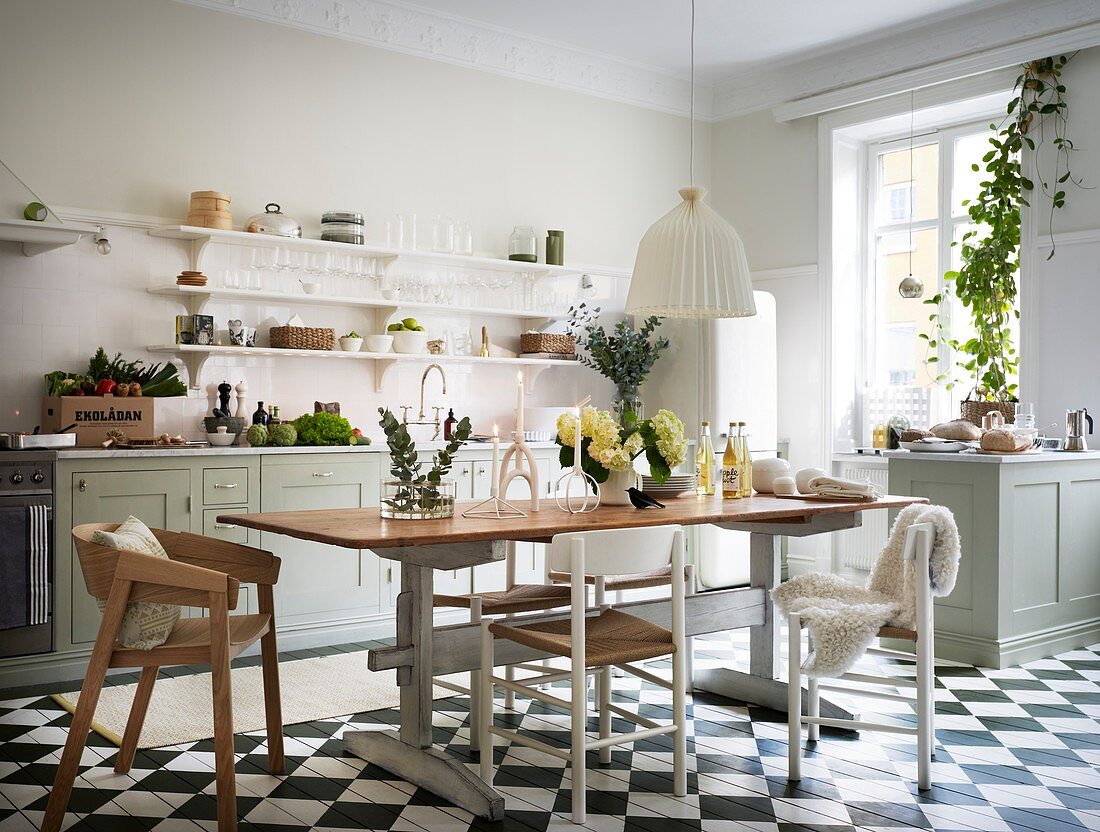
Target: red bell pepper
(105, 387)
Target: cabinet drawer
(221, 486)
(223, 531)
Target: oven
(27, 558)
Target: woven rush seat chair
(919, 541)
(594, 644)
(199, 572)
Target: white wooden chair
(919, 540)
(594, 644)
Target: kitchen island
(1029, 580)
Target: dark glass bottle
(449, 423)
(260, 417)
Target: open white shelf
(202, 237)
(195, 357)
(197, 298)
(40, 237)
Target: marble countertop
(245, 450)
(996, 459)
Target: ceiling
(732, 36)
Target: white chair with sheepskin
(920, 562)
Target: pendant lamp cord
(912, 184)
(691, 50)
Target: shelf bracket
(198, 249)
(530, 373)
(382, 368)
(195, 362)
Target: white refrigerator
(738, 367)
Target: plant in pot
(985, 284)
(625, 356)
(410, 494)
(608, 449)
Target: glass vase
(403, 500)
(628, 409)
(523, 245)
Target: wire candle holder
(590, 490)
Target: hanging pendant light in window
(911, 287)
(691, 263)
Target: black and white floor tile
(1019, 751)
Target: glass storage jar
(523, 245)
(403, 500)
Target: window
(915, 211)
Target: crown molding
(951, 48)
(404, 27)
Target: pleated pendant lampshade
(691, 264)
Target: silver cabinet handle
(82, 485)
(322, 473)
(465, 472)
(225, 525)
(226, 484)
(481, 470)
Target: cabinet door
(463, 473)
(160, 499)
(320, 584)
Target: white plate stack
(676, 485)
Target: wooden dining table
(423, 651)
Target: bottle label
(731, 479)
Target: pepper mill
(223, 399)
(242, 400)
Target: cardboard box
(95, 415)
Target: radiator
(857, 549)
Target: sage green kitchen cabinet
(321, 586)
(160, 498)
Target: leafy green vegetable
(166, 382)
(323, 429)
(123, 372)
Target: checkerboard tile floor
(1019, 751)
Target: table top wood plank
(365, 529)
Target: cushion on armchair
(145, 624)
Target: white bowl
(379, 343)
(408, 342)
(351, 344)
(764, 472)
(310, 288)
(221, 440)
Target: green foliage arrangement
(986, 282)
(323, 429)
(405, 464)
(625, 356)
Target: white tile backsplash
(57, 308)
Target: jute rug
(181, 709)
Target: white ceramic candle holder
(519, 462)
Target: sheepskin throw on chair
(844, 618)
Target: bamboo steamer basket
(210, 209)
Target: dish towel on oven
(844, 619)
(24, 566)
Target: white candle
(577, 441)
(495, 482)
(519, 406)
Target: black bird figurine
(639, 499)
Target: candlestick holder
(564, 496)
(495, 509)
(514, 466)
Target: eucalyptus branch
(626, 356)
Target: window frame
(948, 218)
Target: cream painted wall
(125, 106)
(128, 105)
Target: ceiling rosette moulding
(427, 34)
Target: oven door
(38, 638)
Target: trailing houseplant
(607, 446)
(986, 283)
(411, 494)
(624, 356)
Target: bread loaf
(914, 435)
(957, 429)
(1004, 441)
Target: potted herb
(625, 356)
(608, 450)
(410, 494)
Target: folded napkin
(844, 489)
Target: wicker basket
(551, 342)
(302, 337)
(973, 410)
